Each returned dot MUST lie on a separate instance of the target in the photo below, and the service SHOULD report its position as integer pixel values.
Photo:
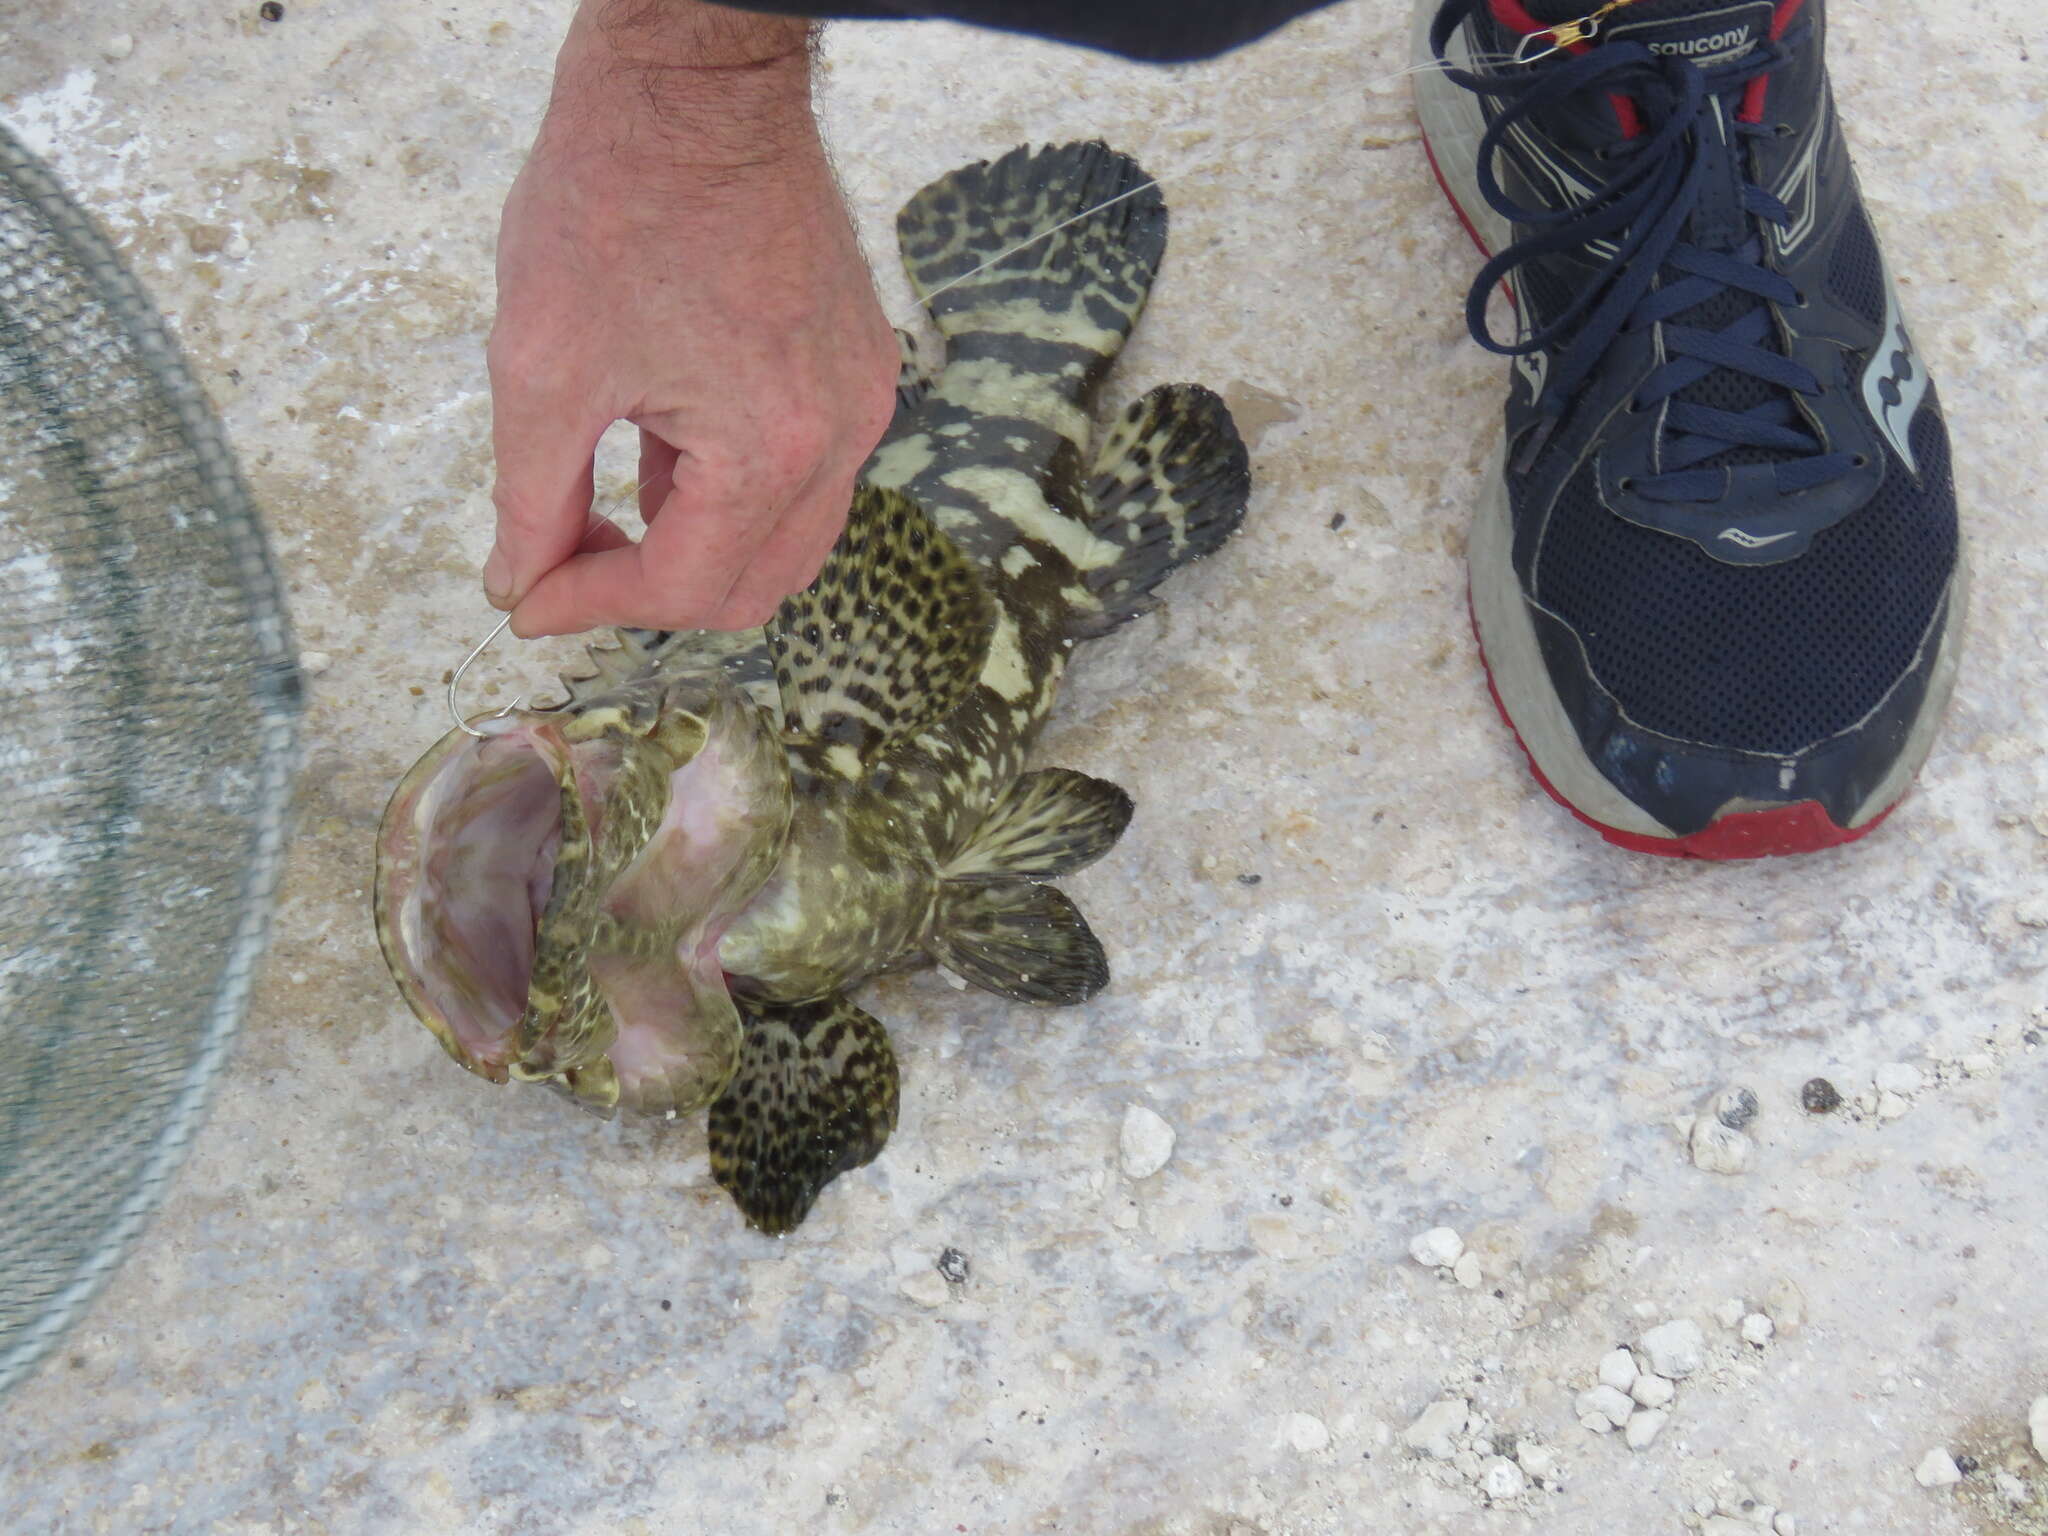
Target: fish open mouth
(551, 896)
(465, 865)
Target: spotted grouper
(656, 895)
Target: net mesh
(148, 704)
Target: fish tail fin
(968, 244)
(1169, 485)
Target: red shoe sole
(1802, 827)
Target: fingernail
(498, 578)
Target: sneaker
(1716, 574)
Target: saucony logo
(1891, 388)
(1742, 538)
(1894, 384)
(1694, 47)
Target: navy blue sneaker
(1716, 578)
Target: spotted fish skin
(859, 788)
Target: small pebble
(1891, 1106)
(1785, 1525)
(236, 246)
(1735, 1107)
(1675, 1349)
(2010, 1488)
(1145, 1143)
(927, 1288)
(1305, 1433)
(1596, 1423)
(1466, 1272)
(1502, 1479)
(1536, 1458)
(1618, 1370)
(1652, 1390)
(1757, 1329)
(313, 663)
(1820, 1097)
(953, 1266)
(1644, 1425)
(1937, 1470)
(1615, 1407)
(1978, 1063)
(1467, 1464)
(1439, 1247)
(1729, 1313)
(2037, 1426)
(1440, 1423)
(118, 47)
(1761, 1514)
(1900, 1077)
(1716, 1149)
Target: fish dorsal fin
(814, 1095)
(650, 656)
(1021, 941)
(1046, 823)
(889, 639)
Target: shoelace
(1642, 209)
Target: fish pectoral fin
(1021, 941)
(1047, 823)
(1169, 485)
(814, 1096)
(892, 635)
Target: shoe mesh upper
(1855, 271)
(1772, 658)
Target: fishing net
(148, 704)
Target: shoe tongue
(1706, 32)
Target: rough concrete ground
(1368, 975)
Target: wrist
(685, 81)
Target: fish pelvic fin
(1046, 824)
(1169, 485)
(814, 1096)
(1081, 286)
(1018, 940)
(890, 638)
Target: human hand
(675, 254)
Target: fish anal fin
(1022, 941)
(814, 1096)
(1169, 485)
(889, 639)
(1047, 823)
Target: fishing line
(1199, 164)
(920, 305)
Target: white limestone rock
(1145, 1143)
(1676, 1349)
(1439, 1247)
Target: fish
(657, 894)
